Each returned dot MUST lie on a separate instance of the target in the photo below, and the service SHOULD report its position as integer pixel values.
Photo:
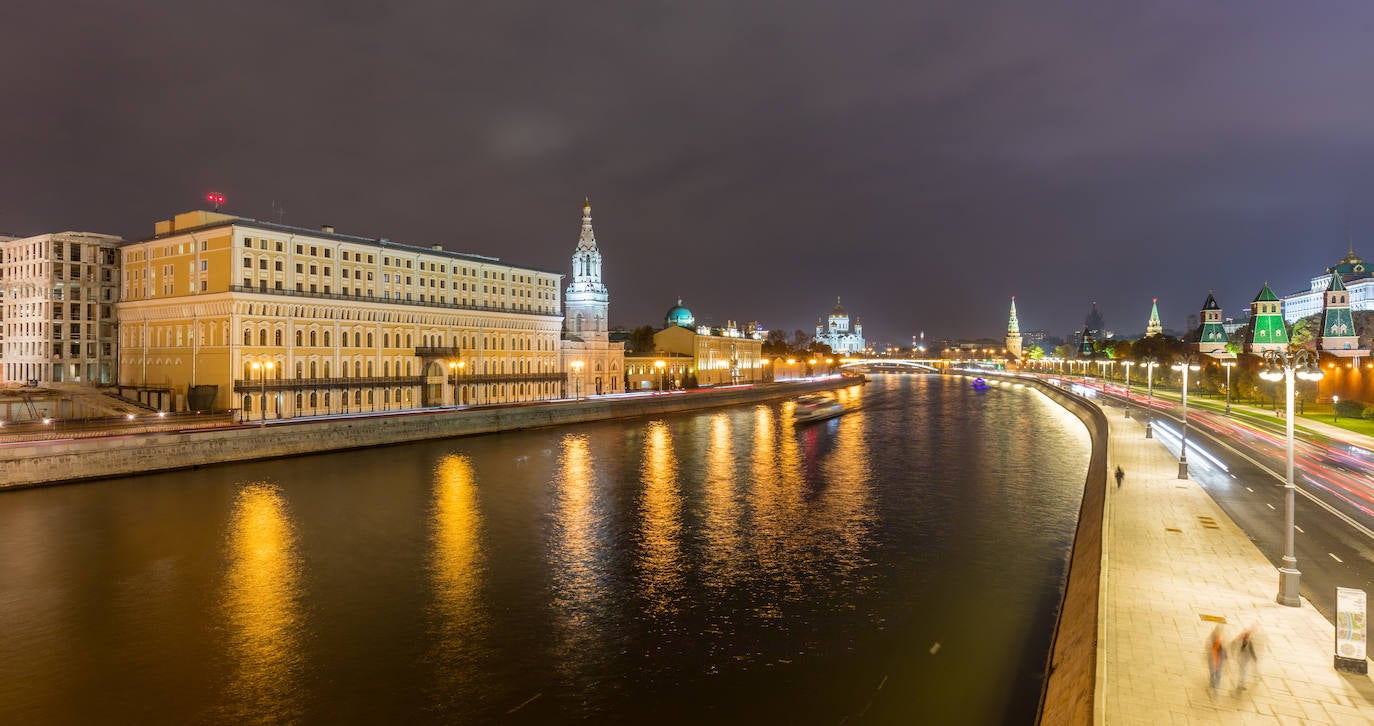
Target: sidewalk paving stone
(1173, 565)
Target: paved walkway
(1173, 566)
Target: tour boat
(815, 407)
(979, 384)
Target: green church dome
(679, 316)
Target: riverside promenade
(1173, 567)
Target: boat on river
(979, 384)
(816, 407)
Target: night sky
(924, 160)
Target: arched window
(358, 397)
(262, 337)
(408, 339)
(370, 398)
(247, 403)
(298, 370)
(386, 368)
(358, 340)
(314, 399)
(314, 369)
(398, 395)
(326, 399)
(277, 337)
(247, 336)
(386, 395)
(314, 339)
(357, 369)
(386, 340)
(299, 400)
(298, 337)
(247, 371)
(369, 340)
(369, 371)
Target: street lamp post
(1127, 365)
(577, 380)
(1185, 364)
(1149, 364)
(263, 368)
(456, 367)
(1335, 412)
(1228, 365)
(1285, 365)
(659, 366)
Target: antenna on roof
(280, 211)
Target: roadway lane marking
(1248, 489)
(1298, 528)
(1267, 504)
(1334, 557)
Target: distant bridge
(896, 365)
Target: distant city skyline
(925, 163)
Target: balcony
(389, 301)
(314, 384)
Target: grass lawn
(1311, 411)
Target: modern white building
(835, 332)
(1356, 276)
(59, 295)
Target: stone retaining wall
(54, 462)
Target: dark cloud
(924, 160)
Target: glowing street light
(263, 367)
(660, 366)
(1185, 364)
(1149, 364)
(577, 380)
(1228, 365)
(1282, 364)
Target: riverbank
(58, 462)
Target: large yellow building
(225, 312)
(694, 354)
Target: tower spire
(1013, 341)
(587, 240)
(1154, 327)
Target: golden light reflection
(261, 602)
(844, 509)
(721, 522)
(776, 500)
(456, 571)
(576, 560)
(661, 530)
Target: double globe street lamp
(1278, 364)
(1185, 364)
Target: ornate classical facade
(227, 312)
(1355, 276)
(836, 333)
(594, 364)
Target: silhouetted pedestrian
(1119, 476)
(1216, 657)
(1244, 646)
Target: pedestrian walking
(1246, 657)
(1119, 476)
(1216, 657)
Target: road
(1240, 461)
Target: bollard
(1149, 430)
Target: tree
(1064, 351)
(1306, 330)
(1035, 352)
(800, 340)
(642, 339)
(776, 343)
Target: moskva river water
(899, 564)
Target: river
(899, 564)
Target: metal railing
(256, 385)
(55, 428)
(388, 300)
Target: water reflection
(661, 528)
(721, 522)
(844, 509)
(261, 601)
(456, 572)
(577, 559)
